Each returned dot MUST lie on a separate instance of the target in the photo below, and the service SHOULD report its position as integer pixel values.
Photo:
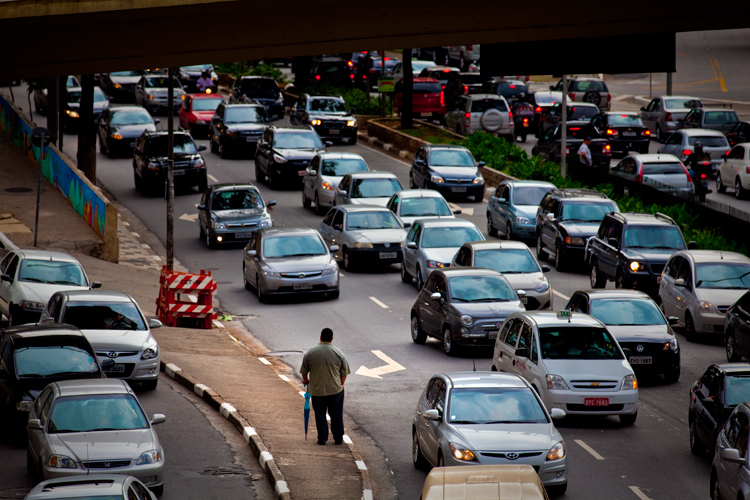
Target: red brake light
(442, 98)
(364, 76)
(446, 71)
(512, 86)
(606, 149)
(609, 97)
(639, 178)
(387, 58)
(510, 115)
(526, 120)
(469, 47)
(686, 152)
(317, 77)
(468, 115)
(747, 169)
(572, 96)
(613, 133)
(703, 176)
(647, 132)
(623, 116)
(668, 117)
(574, 128)
(442, 87)
(466, 89)
(538, 109)
(351, 76)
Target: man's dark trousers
(334, 405)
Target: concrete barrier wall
(85, 198)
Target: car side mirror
(202, 207)
(521, 293)
(35, 424)
(158, 419)
(732, 455)
(552, 87)
(545, 268)
(434, 415)
(673, 320)
(419, 162)
(271, 203)
(312, 173)
(708, 403)
(612, 242)
(435, 296)
(107, 363)
(411, 244)
(643, 109)
(502, 201)
(679, 282)
(157, 121)
(201, 148)
(251, 253)
(457, 211)
(154, 323)
(692, 245)
(522, 352)
(481, 164)
(557, 413)
(329, 144)
(407, 225)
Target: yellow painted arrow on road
(390, 367)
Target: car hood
(41, 292)
(133, 131)
(720, 296)
(260, 127)
(528, 211)
(525, 281)
(118, 340)
(653, 255)
(583, 229)
(311, 263)
(127, 80)
(380, 201)
(640, 333)
(331, 116)
(595, 369)
(297, 154)
(439, 254)
(163, 92)
(238, 215)
(488, 309)
(378, 235)
(412, 218)
(467, 172)
(204, 115)
(508, 437)
(105, 445)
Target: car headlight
(572, 240)
(118, 86)
(556, 383)
(217, 225)
(479, 180)
(522, 220)
(231, 133)
(271, 274)
(461, 453)
(467, 320)
(542, 287)
(151, 97)
(151, 352)
(117, 136)
(707, 307)
(315, 122)
(149, 457)
(671, 345)
(24, 405)
(327, 186)
(556, 452)
(361, 244)
(330, 270)
(153, 165)
(351, 123)
(433, 264)
(437, 179)
(61, 462)
(629, 383)
(278, 158)
(182, 96)
(71, 113)
(199, 162)
(266, 223)
(635, 266)
(30, 304)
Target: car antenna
(474, 362)
(88, 470)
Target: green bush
(354, 98)
(237, 70)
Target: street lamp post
(40, 137)
(170, 171)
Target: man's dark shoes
(321, 442)
(339, 441)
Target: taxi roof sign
(564, 314)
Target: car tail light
(703, 176)
(747, 169)
(387, 59)
(572, 96)
(468, 115)
(317, 77)
(446, 71)
(351, 76)
(510, 115)
(638, 178)
(538, 109)
(567, 150)
(686, 152)
(349, 63)
(668, 117)
(511, 86)
(526, 120)
(442, 98)
(466, 89)
(607, 149)
(574, 128)
(609, 97)
(469, 47)
(646, 132)
(613, 133)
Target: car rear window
(738, 390)
(510, 89)
(482, 105)
(625, 120)
(263, 85)
(681, 104)
(709, 141)
(589, 86)
(547, 98)
(720, 117)
(583, 112)
(581, 131)
(427, 88)
(663, 168)
(341, 166)
(48, 361)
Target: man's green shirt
(326, 365)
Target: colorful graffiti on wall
(81, 197)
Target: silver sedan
(412, 204)
(323, 176)
(371, 188)
(288, 260)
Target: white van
(571, 360)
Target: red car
(197, 110)
(429, 99)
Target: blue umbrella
(307, 410)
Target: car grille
(182, 164)
(579, 407)
(287, 289)
(387, 246)
(594, 384)
(722, 309)
(333, 124)
(526, 454)
(118, 354)
(246, 133)
(493, 326)
(307, 274)
(648, 348)
(241, 225)
(106, 464)
(459, 180)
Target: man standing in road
(584, 153)
(325, 368)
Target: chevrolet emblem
(594, 384)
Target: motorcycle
(700, 172)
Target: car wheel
(110, 151)
(592, 97)
(557, 490)
(479, 197)
(223, 152)
(420, 462)
(348, 264)
(201, 233)
(619, 279)
(508, 231)
(334, 295)
(412, 184)
(627, 420)
(418, 336)
(658, 133)
(441, 460)
(306, 202)
(273, 183)
(11, 314)
(696, 447)
(490, 227)
(720, 187)
(259, 177)
(540, 253)
(102, 149)
(448, 346)
(150, 385)
(248, 286)
(214, 147)
(672, 376)
(259, 291)
(420, 279)
(597, 280)
(405, 276)
(560, 260)
(690, 332)
(137, 181)
(730, 344)
(458, 130)
(319, 210)
(210, 241)
(739, 191)
(715, 493)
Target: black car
(334, 71)
(712, 398)
(639, 327)
(328, 115)
(448, 169)
(739, 133)
(258, 90)
(33, 356)
(565, 220)
(72, 118)
(548, 145)
(284, 153)
(236, 127)
(581, 111)
(120, 127)
(737, 329)
(624, 130)
(632, 249)
(512, 90)
(120, 85)
(719, 119)
(150, 162)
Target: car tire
(420, 462)
(739, 191)
(619, 280)
(696, 447)
(348, 264)
(202, 183)
(690, 333)
(318, 209)
(508, 231)
(597, 280)
(214, 147)
(306, 202)
(420, 279)
(720, 187)
(626, 420)
(262, 297)
(149, 385)
(353, 140)
(405, 276)
(448, 343)
(110, 151)
(157, 490)
(441, 459)
(658, 133)
(715, 493)
(491, 230)
(334, 294)
(418, 336)
(137, 181)
(223, 152)
(32, 468)
(210, 240)
(11, 315)
(592, 97)
(672, 376)
(273, 184)
(558, 490)
(259, 177)
(201, 233)
(491, 120)
(730, 345)
(561, 262)
(541, 255)
(412, 184)
(247, 284)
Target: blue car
(512, 208)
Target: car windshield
(49, 361)
(414, 207)
(511, 89)
(259, 85)
(711, 141)
(74, 96)
(674, 104)
(298, 245)
(507, 260)
(625, 120)
(626, 312)
(673, 168)
(302, 139)
(162, 83)
(183, 144)
(427, 88)
(237, 199)
(339, 167)
(327, 106)
(529, 195)
(495, 405)
(245, 114)
(548, 99)
(481, 289)
(582, 113)
(738, 389)
(721, 275)
(417, 66)
(206, 104)
(448, 237)
(586, 212)
(578, 342)
(52, 272)
(127, 73)
(374, 188)
(372, 220)
(100, 412)
(482, 105)
(654, 237)
(104, 316)
(720, 117)
(134, 117)
(451, 158)
(198, 67)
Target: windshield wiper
(490, 299)
(302, 254)
(360, 227)
(103, 429)
(35, 280)
(464, 422)
(461, 299)
(65, 282)
(509, 422)
(65, 374)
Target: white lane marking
(561, 295)
(589, 449)
(639, 493)
(390, 367)
(341, 275)
(213, 179)
(377, 150)
(378, 302)
(264, 361)
(218, 324)
(284, 378)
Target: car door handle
(501, 354)
(427, 303)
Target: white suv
(480, 112)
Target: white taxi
(571, 360)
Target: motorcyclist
(699, 166)
(204, 82)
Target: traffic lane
(15, 482)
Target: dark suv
(284, 153)
(258, 90)
(631, 249)
(329, 116)
(150, 162)
(236, 127)
(565, 220)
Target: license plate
(628, 134)
(640, 360)
(303, 286)
(302, 173)
(425, 114)
(458, 190)
(179, 172)
(492, 335)
(388, 255)
(243, 236)
(595, 401)
(115, 369)
(334, 132)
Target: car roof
(491, 97)
(418, 193)
(466, 379)
(127, 108)
(731, 368)
(152, 133)
(517, 183)
(240, 104)
(83, 387)
(701, 256)
(427, 223)
(586, 78)
(581, 105)
(678, 97)
(701, 131)
(340, 155)
(656, 158)
(496, 245)
(441, 68)
(286, 231)
(576, 193)
(629, 113)
(96, 296)
(350, 208)
(638, 218)
(715, 109)
(37, 330)
(335, 97)
(377, 174)
(230, 186)
(71, 487)
(445, 146)
(46, 255)
(453, 272)
(549, 318)
(615, 294)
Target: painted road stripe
(284, 378)
(218, 325)
(561, 295)
(589, 449)
(378, 303)
(213, 179)
(639, 493)
(264, 361)
(199, 389)
(225, 409)
(360, 464)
